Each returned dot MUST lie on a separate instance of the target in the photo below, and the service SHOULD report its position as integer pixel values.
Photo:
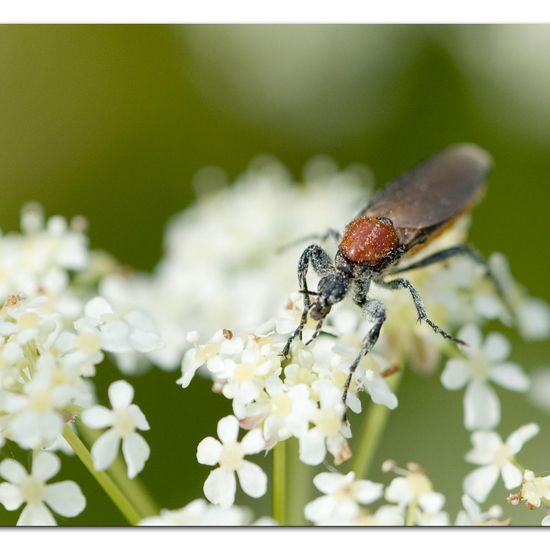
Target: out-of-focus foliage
(113, 122)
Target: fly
(402, 217)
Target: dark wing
(433, 193)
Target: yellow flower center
(231, 456)
(419, 483)
(123, 422)
(42, 401)
(245, 371)
(328, 422)
(28, 320)
(281, 405)
(33, 490)
(502, 456)
(88, 342)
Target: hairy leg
(322, 265)
(422, 315)
(375, 311)
(459, 250)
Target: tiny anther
(227, 334)
(392, 369)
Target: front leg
(422, 315)
(375, 311)
(322, 265)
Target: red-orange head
(369, 240)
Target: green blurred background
(112, 122)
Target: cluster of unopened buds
(64, 308)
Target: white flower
(122, 332)
(416, 487)
(539, 393)
(532, 314)
(472, 514)
(64, 497)
(36, 418)
(495, 458)
(220, 486)
(289, 410)
(201, 513)
(340, 503)
(124, 418)
(534, 489)
(329, 429)
(483, 363)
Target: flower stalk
(118, 498)
(279, 483)
(371, 432)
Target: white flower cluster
(301, 397)
(410, 500)
(54, 330)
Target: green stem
(411, 513)
(299, 483)
(371, 432)
(279, 482)
(134, 489)
(113, 492)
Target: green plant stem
(279, 482)
(371, 431)
(134, 489)
(299, 484)
(411, 513)
(113, 492)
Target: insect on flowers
(402, 217)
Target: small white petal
(136, 451)
(219, 487)
(10, 496)
(120, 394)
(312, 447)
(228, 429)
(97, 417)
(367, 491)
(45, 466)
(455, 375)
(65, 498)
(253, 442)
(12, 471)
(105, 449)
(481, 407)
(36, 514)
(431, 502)
(97, 307)
(516, 440)
(546, 521)
(511, 475)
(208, 451)
(486, 445)
(510, 376)
(496, 347)
(381, 393)
(319, 510)
(139, 418)
(478, 484)
(329, 483)
(399, 491)
(472, 336)
(253, 479)
(115, 337)
(533, 317)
